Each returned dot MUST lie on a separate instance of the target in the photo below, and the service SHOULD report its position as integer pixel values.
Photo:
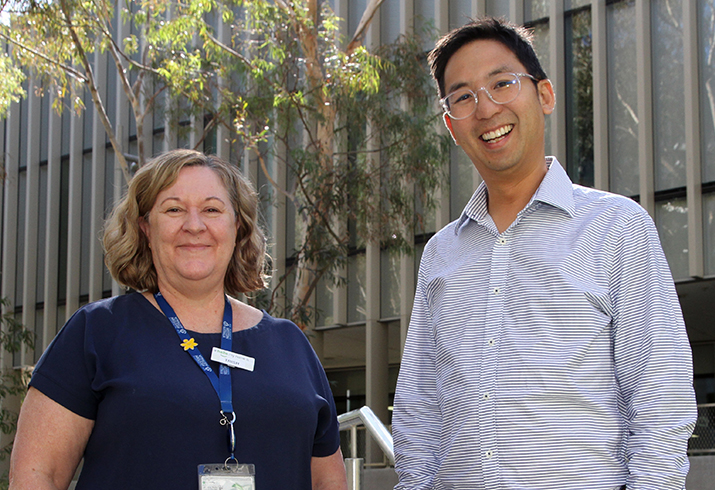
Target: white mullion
(99, 163)
(600, 95)
(10, 216)
(558, 77)
(74, 216)
(645, 105)
(693, 156)
(52, 225)
(223, 135)
(516, 11)
(32, 195)
(376, 339)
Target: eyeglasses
(501, 89)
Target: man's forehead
(473, 65)
(483, 58)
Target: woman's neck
(198, 312)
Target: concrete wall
(379, 479)
(702, 473)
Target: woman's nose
(194, 221)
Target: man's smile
(497, 134)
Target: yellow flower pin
(189, 344)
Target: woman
(124, 384)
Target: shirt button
(496, 290)
(491, 342)
(486, 396)
(489, 454)
(502, 241)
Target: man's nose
(486, 107)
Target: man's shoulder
(447, 232)
(442, 247)
(588, 200)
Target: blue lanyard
(222, 382)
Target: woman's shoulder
(127, 308)
(282, 325)
(120, 304)
(280, 331)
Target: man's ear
(448, 123)
(547, 96)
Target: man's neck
(507, 197)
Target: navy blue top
(118, 362)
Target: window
(671, 219)
(622, 98)
(668, 96)
(706, 31)
(579, 97)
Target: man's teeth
(497, 133)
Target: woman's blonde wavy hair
(127, 253)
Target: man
(546, 348)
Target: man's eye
(503, 84)
(457, 98)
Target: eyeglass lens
(501, 89)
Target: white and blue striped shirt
(550, 356)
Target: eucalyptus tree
(58, 42)
(353, 129)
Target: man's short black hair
(515, 37)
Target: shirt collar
(556, 189)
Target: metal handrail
(365, 416)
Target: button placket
(493, 325)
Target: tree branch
(264, 168)
(96, 99)
(229, 50)
(367, 16)
(321, 216)
(115, 48)
(66, 68)
(206, 129)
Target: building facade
(635, 115)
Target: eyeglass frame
(443, 101)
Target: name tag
(227, 476)
(232, 359)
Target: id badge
(222, 476)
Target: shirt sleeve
(653, 361)
(327, 434)
(64, 372)
(417, 420)
(327, 431)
